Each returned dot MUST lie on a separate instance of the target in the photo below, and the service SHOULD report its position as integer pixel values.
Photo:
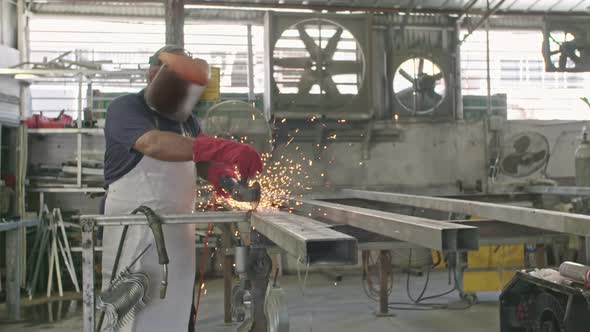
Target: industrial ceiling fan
(419, 85)
(318, 57)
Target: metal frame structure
(312, 242)
(306, 236)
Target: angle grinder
(241, 191)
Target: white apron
(167, 188)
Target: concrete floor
(326, 306)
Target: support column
(251, 95)
(174, 16)
(384, 275)
(13, 271)
(22, 142)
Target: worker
(150, 160)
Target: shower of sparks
(278, 177)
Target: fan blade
(562, 61)
(343, 67)
(421, 66)
(438, 76)
(307, 80)
(576, 59)
(406, 75)
(292, 62)
(310, 45)
(332, 45)
(330, 87)
(554, 40)
(434, 98)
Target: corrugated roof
(153, 7)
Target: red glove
(228, 152)
(214, 174)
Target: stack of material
(66, 174)
(51, 240)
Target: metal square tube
(428, 233)
(562, 222)
(310, 241)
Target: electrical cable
(416, 304)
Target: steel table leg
(88, 275)
(384, 275)
(227, 274)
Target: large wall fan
(419, 85)
(566, 47)
(524, 154)
(318, 66)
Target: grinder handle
(155, 224)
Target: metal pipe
(544, 219)
(196, 218)
(558, 190)
(88, 275)
(251, 96)
(8, 226)
(484, 19)
(488, 75)
(79, 135)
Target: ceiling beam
(174, 17)
(317, 7)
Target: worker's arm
(165, 146)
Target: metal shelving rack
(84, 79)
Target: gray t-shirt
(128, 118)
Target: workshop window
(127, 45)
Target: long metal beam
(8, 226)
(318, 6)
(424, 232)
(558, 190)
(550, 220)
(196, 218)
(310, 241)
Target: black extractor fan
(566, 47)
(524, 154)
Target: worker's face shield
(177, 85)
